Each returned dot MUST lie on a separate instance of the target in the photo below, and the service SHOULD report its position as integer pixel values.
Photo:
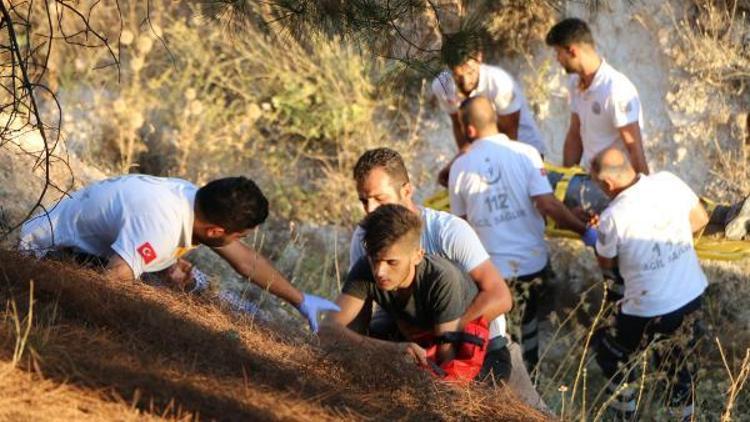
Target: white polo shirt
(147, 221)
(499, 87)
(609, 103)
(448, 236)
(647, 227)
(492, 184)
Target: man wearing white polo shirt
(382, 178)
(468, 77)
(500, 187)
(647, 230)
(138, 224)
(605, 108)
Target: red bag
(471, 348)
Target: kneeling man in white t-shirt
(647, 230)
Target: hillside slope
(104, 350)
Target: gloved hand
(589, 236)
(310, 307)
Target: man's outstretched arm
(573, 147)
(259, 270)
(335, 327)
(118, 269)
(549, 206)
(508, 124)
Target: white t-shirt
(500, 88)
(492, 184)
(647, 227)
(609, 103)
(447, 236)
(145, 220)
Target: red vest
(471, 348)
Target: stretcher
(706, 247)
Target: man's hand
(312, 305)
(413, 351)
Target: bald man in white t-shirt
(501, 188)
(605, 107)
(647, 230)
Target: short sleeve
(462, 245)
(357, 248)
(626, 106)
(458, 204)
(606, 242)
(506, 99)
(443, 89)
(538, 183)
(447, 295)
(145, 245)
(358, 280)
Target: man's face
(466, 76)
(378, 188)
(394, 267)
(216, 237)
(567, 58)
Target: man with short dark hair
(467, 76)
(425, 294)
(647, 230)
(381, 178)
(500, 187)
(139, 224)
(605, 107)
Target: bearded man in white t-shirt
(605, 107)
(140, 224)
(647, 230)
(467, 76)
(501, 188)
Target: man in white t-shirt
(382, 178)
(140, 224)
(647, 230)
(500, 187)
(468, 77)
(605, 107)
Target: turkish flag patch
(147, 253)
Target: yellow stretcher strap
(707, 248)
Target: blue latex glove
(312, 305)
(589, 237)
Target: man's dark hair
(459, 47)
(568, 32)
(389, 224)
(233, 203)
(387, 159)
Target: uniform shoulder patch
(147, 252)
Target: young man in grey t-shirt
(425, 295)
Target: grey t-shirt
(439, 293)
(447, 236)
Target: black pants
(616, 345)
(529, 289)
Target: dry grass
(170, 354)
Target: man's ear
(471, 132)
(479, 57)
(215, 231)
(418, 256)
(407, 190)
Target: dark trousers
(529, 289)
(616, 345)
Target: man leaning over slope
(500, 187)
(647, 230)
(142, 224)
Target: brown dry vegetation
(120, 350)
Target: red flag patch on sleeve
(147, 253)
